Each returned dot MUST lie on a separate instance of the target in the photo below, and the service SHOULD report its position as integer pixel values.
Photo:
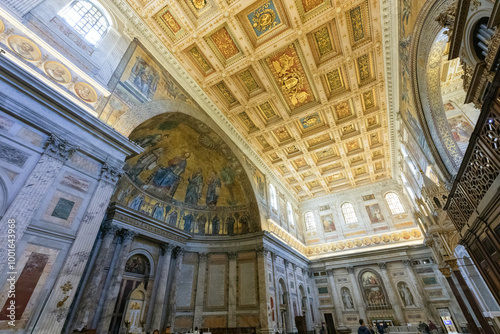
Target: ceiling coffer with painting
(307, 74)
(188, 177)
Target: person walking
(362, 328)
(432, 327)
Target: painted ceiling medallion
(199, 4)
(263, 21)
(264, 18)
(290, 77)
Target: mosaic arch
(188, 177)
(426, 54)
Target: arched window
(349, 213)
(88, 21)
(272, 197)
(309, 221)
(394, 203)
(289, 213)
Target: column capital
(166, 248)
(109, 229)
(445, 271)
(202, 257)
(350, 269)
(128, 234)
(180, 251)
(382, 265)
(59, 148)
(453, 264)
(329, 272)
(110, 174)
(261, 250)
(407, 263)
(232, 255)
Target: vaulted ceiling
(303, 81)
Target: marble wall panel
(247, 285)
(185, 286)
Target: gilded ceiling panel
(358, 21)
(170, 24)
(223, 44)
(325, 42)
(225, 94)
(263, 21)
(199, 60)
(311, 8)
(335, 82)
(364, 69)
(302, 81)
(290, 77)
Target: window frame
(100, 25)
(390, 203)
(312, 226)
(273, 197)
(348, 220)
(289, 213)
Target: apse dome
(188, 177)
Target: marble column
(336, 300)
(390, 288)
(471, 324)
(57, 307)
(200, 290)
(277, 297)
(470, 297)
(291, 319)
(263, 291)
(116, 279)
(35, 188)
(358, 299)
(172, 305)
(420, 296)
(232, 288)
(160, 289)
(87, 306)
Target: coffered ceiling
(303, 81)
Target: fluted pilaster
(28, 199)
(160, 296)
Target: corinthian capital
(110, 174)
(59, 148)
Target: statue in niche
(147, 161)
(215, 225)
(213, 190)
(406, 294)
(347, 299)
(194, 187)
